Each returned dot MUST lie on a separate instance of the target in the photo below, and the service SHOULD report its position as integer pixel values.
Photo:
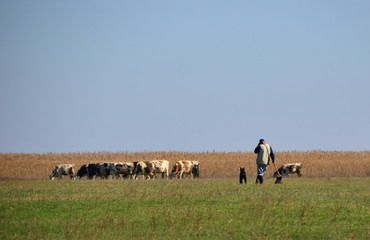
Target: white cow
(162, 167)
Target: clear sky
(78, 76)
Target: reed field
(212, 164)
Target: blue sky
(88, 76)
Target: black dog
(243, 176)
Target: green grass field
(301, 208)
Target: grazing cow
(131, 165)
(134, 169)
(286, 169)
(88, 170)
(182, 167)
(162, 167)
(82, 172)
(147, 169)
(63, 169)
(102, 170)
(91, 170)
(117, 169)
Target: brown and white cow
(286, 169)
(180, 168)
(63, 169)
(162, 167)
(147, 169)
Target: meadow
(317, 208)
(330, 201)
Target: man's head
(262, 141)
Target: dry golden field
(212, 164)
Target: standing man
(264, 153)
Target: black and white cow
(102, 170)
(82, 172)
(286, 169)
(122, 168)
(147, 169)
(63, 170)
(88, 170)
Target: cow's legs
(278, 180)
(164, 175)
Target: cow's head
(175, 170)
(82, 172)
(129, 168)
(139, 169)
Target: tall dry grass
(16, 166)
